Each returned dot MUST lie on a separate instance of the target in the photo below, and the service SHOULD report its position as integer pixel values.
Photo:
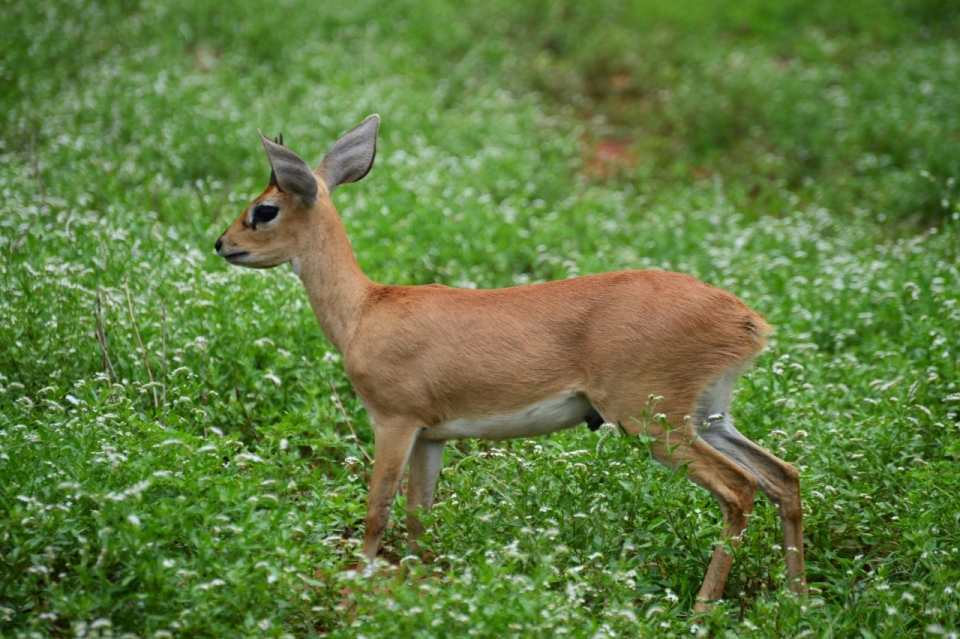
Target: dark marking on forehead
(270, 190)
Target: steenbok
(432, 363)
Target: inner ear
(290, 174)
(351, 158)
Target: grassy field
(173, 459)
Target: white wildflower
(273, 378)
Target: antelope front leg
(425, 462)
(394, 440)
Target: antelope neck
(335, 284)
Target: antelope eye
(264, 213)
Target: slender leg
(425, 462)
(732, 486)
(394, 441)
(778, 480)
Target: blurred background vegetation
(804, 155)
(845, 104)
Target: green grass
(804, 156)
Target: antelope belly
(539, 419)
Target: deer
(432, 364)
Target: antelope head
(270, 231)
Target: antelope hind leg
(778, 480)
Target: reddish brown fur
(613, 335)
(420, 356)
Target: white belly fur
(539, 419)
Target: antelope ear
(351, 157)
(291, 173)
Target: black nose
(218, 245)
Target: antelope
(433, 364)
